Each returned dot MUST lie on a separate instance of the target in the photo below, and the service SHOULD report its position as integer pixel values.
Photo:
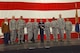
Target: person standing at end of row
(12, 26)
(61, 25)
(20, 29)
(5, 31)
(79, 29)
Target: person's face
(35, 20)
(47, 20)
(67, 20)
(6, 19)
(13, 17)
(29, 20)
(21, 17)
(40, 20)
(53, 18)
(59, 15)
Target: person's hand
(42, 27)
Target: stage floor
(34, 46)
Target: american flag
(39, 9)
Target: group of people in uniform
(15, 29)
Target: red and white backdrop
(39, 9)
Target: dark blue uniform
(41, 26)
(77, 27)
